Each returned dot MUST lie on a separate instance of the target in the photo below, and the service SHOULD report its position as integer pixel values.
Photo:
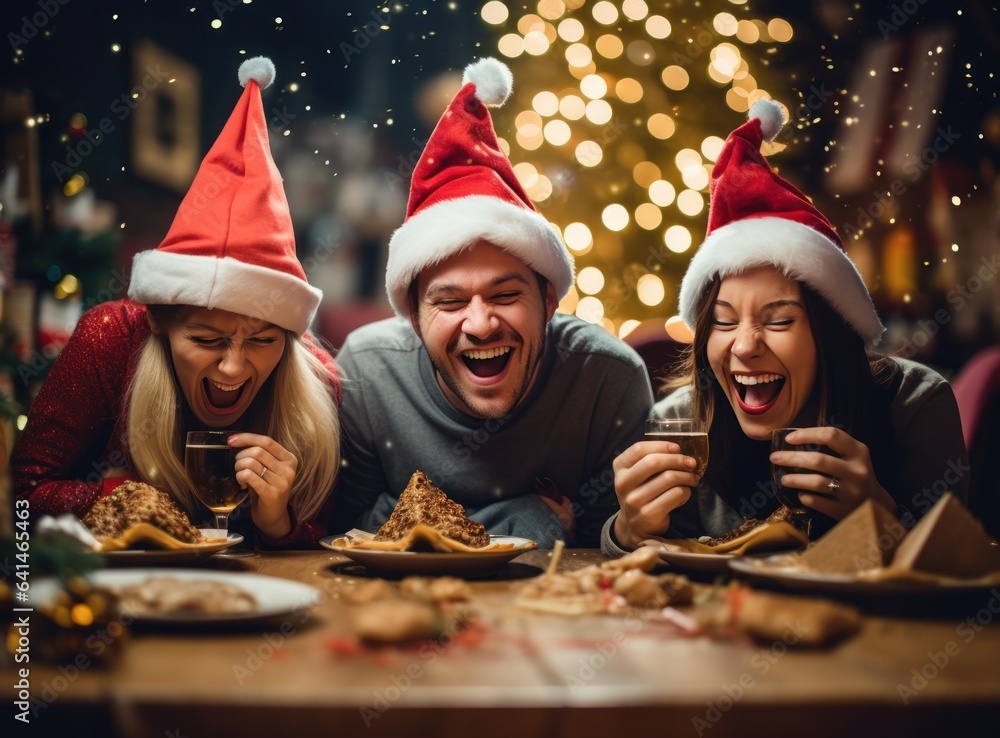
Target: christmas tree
(618, 113)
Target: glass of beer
(688, 433)
(211, 467)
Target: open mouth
(757, 393)
(220, 398)
(487, 362)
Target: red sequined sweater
(75, 433)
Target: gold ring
(263, 471)
(833, 485)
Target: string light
(603, 136)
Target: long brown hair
(846, 393)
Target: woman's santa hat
(757, 218)
(464, 190)
(231, 245)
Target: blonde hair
(299, 413)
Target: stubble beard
(485, 408)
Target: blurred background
(619, 110)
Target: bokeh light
(677, 238)
(494, 12)
(615, 217)
(649, 289)
(590, 280)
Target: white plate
(434, 563)
(275, 597)
(190, 554)
(772, 569)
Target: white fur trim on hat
(444, 229)
(771, 116)
(260, 69)
(492, 78)
(167, 278)
(802, 252)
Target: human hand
(652, 479)
(268, 469)
(840, 483)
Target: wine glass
(789, 496)
(688, 433)
(211, 467)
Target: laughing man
(513, 410)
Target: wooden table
(530, 675)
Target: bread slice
(948, 541)
(423, 504)
(865, 539)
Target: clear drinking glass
(211, 466)
(688, 433)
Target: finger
(817, 484)
(659, 509)
(814, 461)
(250, 440)
(837, 440)
(658, 486)
(634, 453)
(835, 507)
(649, 467)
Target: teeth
(759, 379)
(487, 354)
(229, 387)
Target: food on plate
(794, 620)
(425, 519)
(417, 608)
(162, 595)
(948, 541)
(424, 504)
(871, 543)
(606, 586)
(133, 503)
(783, 514)
(780, 530)
(863, 540)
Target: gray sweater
(588, 403)
(930, 459)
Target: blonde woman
(213, 335)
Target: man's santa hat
(464, 190)
(757, 218)
(231, 245)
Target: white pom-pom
(260, 69)
(492, 79)
(771, 117)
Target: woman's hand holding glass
(652, 479)
(268, 470)
(836, 484)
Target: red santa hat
(464, 190)
(231, 245)
(757, 218)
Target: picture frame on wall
(165, 100)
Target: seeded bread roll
(422, 502)
(135, 502)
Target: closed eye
(207, 342)
(506, 297)
(448, 303)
